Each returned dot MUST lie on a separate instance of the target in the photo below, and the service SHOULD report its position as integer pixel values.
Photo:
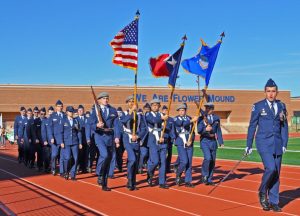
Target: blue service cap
(29, 110)
(209, 104)
(119, 109)
(155, 101)
(43, 109)
(80, 107)
(51, 108)
(271, 83)
(164, 107)
(147, 105)
(140, 111)
(70, 109)
(130, 97)
(36, 109)
(22, 108)
(181, 106)
(58, 102)
(102, 94)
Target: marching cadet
(169, 142)
(210, 136)
(121, 149)
(70, 140)
(269, 123)
(18, 133)
(83, 152)
(55, 129)
(92, 149)
(38, 140)
(132, 141)
(46, 149)
(183, 125)
(29, 136)
(144, 150)
(157, 144)
(106, 134)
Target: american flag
(125, 46)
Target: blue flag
(173, 63)
(203, 63)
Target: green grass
(291, 158)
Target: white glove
(248, 151)
(283, 149)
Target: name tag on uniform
(263, 112)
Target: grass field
(291, 158)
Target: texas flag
(166, 65)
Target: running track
(27, 192)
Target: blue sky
(67, 41)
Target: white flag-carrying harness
(155, 130)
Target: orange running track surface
(27, 192)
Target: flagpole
(171, 95)
(137, 15)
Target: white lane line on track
(119, 192)
(57, 194)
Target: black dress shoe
(100, 180)
(61, 175)
(149, 179)
(178, 179)
(66, 176)
(163, 186)
(111, 177)
(189, 185)
(275, 208)
(73, 178)
(210, 183)
(53, 172)
(105, 188)
(263, 201)
(204, 180)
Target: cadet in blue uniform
(169, 142)
(144, 150)
(269, 123)
(157, 144)
(55, 129)
(46, 149)
(92, 149)
(210, 136)
(29, 136)
(132, 141)
(37, 142)
(18, 133)
(121, 149)
(70, 141)
(83, 153)
(106, 133)
(183, 125)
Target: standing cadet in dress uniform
(144, 150)
(106, 134)
(121, 149)
(92, 149)
(269, 123)
(157, 145)
(83, 153)
(132, 141)
(70, 141)
(38, 140)
(169, 142)
(18, 133)
(46, 149)
(183, 125)
(210, 132)
(29, 137)
(55, 129)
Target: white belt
(155, 131)
(128, 131)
